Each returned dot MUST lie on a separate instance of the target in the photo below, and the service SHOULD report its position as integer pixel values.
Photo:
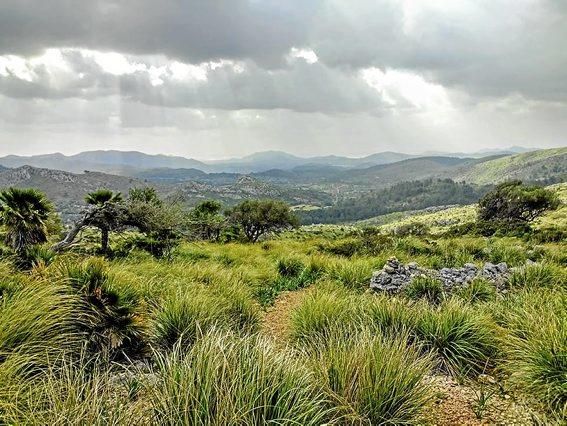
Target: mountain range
(130, 163)
(305, 184)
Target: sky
(214, 79)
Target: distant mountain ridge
(132, 163)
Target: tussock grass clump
(185, 316)
(320, 311)
(289, 267)
(463, 340)
(478, 290)
(354, 275)
(226, 380)
(427, 288)
(538, 275)
(73, 392)
(538, 364)
(535, 345)
(293, 275)
(37, 321)
(378, 380)
(390, 316)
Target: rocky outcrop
(395, 276)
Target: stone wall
(395, 276)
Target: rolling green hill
(537, 165)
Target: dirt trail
(277, 319)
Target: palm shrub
(427, 288)
(112, 318)
(24, 213)
(378, 380)
(101, 198)
(225, 379)
(463, 340)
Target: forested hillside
(412, 195)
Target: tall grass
(426, 288)
(535, 345)
(186, 315)
(226, 380)
(463, 340)
(320, 312)
(38, 321)
(539, 275)
(75, 392)
(378, 380)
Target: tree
(515, 203)
(24, 213)
(104, 200)
(205, 220)
(143, 210)
(259, 217)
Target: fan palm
(24, 213)
(102, 198)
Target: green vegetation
(223, 330)
(404, 196)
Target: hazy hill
(133, 163)
(412, 169)
(532, 166)
(118, 162)
(66, 190)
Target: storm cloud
(301, 76)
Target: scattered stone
(395, 276)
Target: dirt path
(276, 322)
(454, 407)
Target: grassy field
(284, 331)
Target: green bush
(463, 339)
(427, 288)
(380, 380)
(412, 228)
(228, 380)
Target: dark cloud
(192, 30)
(384, 74)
